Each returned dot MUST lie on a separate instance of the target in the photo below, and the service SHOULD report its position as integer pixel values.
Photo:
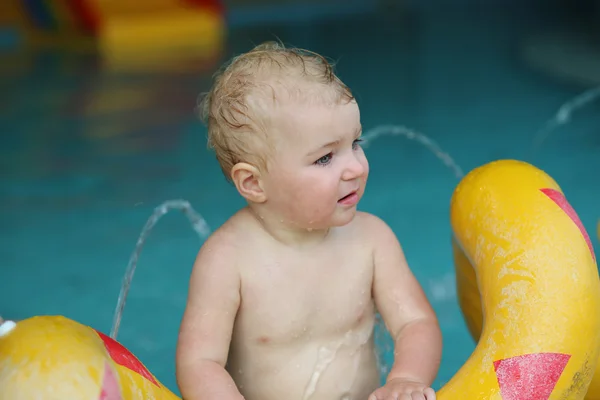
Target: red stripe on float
(560, 200)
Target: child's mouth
(349, 199)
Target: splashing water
(198, 224)
(395, 130)
(564, 113)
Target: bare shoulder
(218, 260)
(225, 244)
(369, 219)
(374, 229)
(222, 255)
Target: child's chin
(345, 218)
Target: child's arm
(206, 328)
(407, 314)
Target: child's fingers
(429, 394)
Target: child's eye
(326, 159)
(356, 143)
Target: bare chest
(285, 300)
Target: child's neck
(287, 232)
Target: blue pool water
(86, 155)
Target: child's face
(318, 171)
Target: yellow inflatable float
(527, 282)
(55, 358)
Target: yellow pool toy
(56, 358)
(527, 284)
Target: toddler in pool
(282, 297)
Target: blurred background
(98, 127)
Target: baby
(283, 296)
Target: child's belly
(343, 368)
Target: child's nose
(354, 169)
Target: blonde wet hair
(236, 109)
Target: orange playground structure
(123, 32)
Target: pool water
(86, 155)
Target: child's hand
(403, 389)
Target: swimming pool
(86, 156)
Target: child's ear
(246, 179)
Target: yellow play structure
(527, 283)
(123, 32)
